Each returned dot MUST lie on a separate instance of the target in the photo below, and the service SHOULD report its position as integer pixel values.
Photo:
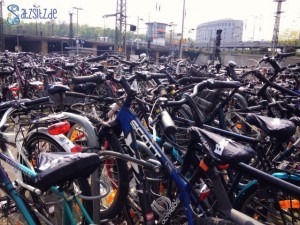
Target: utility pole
(71, 33)
(276, 25)
(137, 31)
(36, 6)
(2, 41)
(120, 29)
(182, 29)
(77, 40)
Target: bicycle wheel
(114, 173)
(233, 121)
(8, 96)
(213, 221)
(181, 118)
(9, 212)
(270, 205)
(77, 135)
(104, 90)
(39, 142)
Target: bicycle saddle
(84, 88)
(59, 167)
(69, 66)
(57, 88)
(50, 71)
(220, 148)
(280, 129)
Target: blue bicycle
(185, 199)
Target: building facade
(156, 33)
(232, 32)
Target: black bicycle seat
(281, 129)
(84, 88)
(59, 167)
(226, 151)
(56, 89)
(50, 71)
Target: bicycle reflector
(289, 204)
(59, 128)
(76, 149)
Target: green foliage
(61, 29)
(289, 37)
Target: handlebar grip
(37, 101)
(158, 75)
(126, 86)
(97, 78)
(94, 97)
(168, 124)
(163, 91)
(211, 84)
(250, 109)
(98, 58)
(285, 55)
(75, 94)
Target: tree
(289, 37)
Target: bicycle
(31, 190)
(131, 126)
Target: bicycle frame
(130, 123)
(13, 139)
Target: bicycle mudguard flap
(225, 150)
(58, 168)
(281, 129)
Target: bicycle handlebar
(81, 95)
(14, 105)
(98, 58)
(284, 55)
(210, 84)
(37, 101)
(97, 78)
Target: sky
(258, 15)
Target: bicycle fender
(61, 139)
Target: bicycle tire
(8, 96)
(182, 138)
(116, 173)
(267, 210)
(232, 122)
(104, 90)
(29, 145)
(9, 212)
(213, 221)
(112, 204)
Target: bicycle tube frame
(129, 123)
(9, 188)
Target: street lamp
(137, 31)
(182, 26)
(36, 6)
(234, 41)
(172, 34)
(77, 41)
(105, 16)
